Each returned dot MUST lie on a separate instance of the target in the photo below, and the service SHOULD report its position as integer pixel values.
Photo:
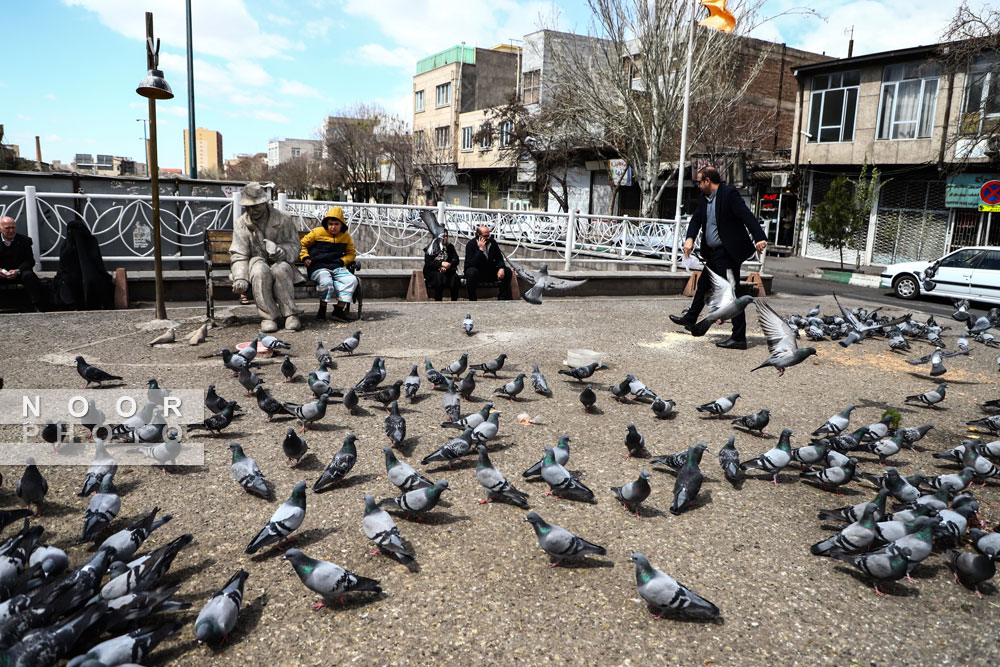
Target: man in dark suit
(17, 262)
(484, 262)
(725, 221)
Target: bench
(217, 242)
(417, 290)
(753, 285)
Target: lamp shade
(154, 86)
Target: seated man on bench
(484, 263)
(441, 270)
(326, 251)
(17, 262)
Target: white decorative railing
(122, 225)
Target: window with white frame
(982, 96)
(908, 101)
(506, 128)
(485, 136)
(418, 101)
(467, 138)
(833, 106)
(442, 137)
(531, 83)
(296, 152)
(443, 94)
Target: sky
(273, 69)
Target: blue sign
(962, 190)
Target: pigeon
(961, 310)
(488, 429)
(249, 380)
(143, 573)
(213, 402)
(322, 354)
(387, 395)
(689, 479)
(561, 453)
(380, 529)
(402, 475)
(662, 593)
(288, 369)
(729, 461)
(675, 461)
(93, 418)
(473, 420)
(588, 398)
(268, 404)
(93, 373)
(492, 366)
(349, 344)
(373, 378)
(559, 543)
(955, 521)
(32, 487)
(495, 483)
(719, 406)
(991, 423)
(898, 486)
(14, 555)
(881, 566)
(897, 342)
(985, 543)
(323, 372)
(436, 230)
(662, 408)
(350, 400)
(621, 390)
(879, 429)
(512, 388)
(639, 390)
(634, 442)
(812, 454)
(341, 464)
(412, 383)
(848, 442)
(284, 521)
(316, 386)
(913, 434)
(394, 425)
(953, 483)
(853, 513)
(971, 569)
(127, 648)
(561, 483)
(935, 358)
(434, 376)
(308, 413)
(467, 324)
(851, 338)
(8, 517)
(165, 452)
(456, 368)
(272, 343)
(542, 282)
(837, 423)
(918, 543)
(329, 580)
(757, 421)
(780, 337)
(215, 424)
(294, 446)
(247, 474)
(929, 398)
(46, 645)
(774, 460)
(581, 373)
(234, 362)
(54, 433)
(632, 494)
(164, 338)
(468, 385)
(249, 351)
(901, 524)
(853, 538)
(199, 335)
(101, 511)
(886, 447)
(128, 540)
(833, 476)
(419, 501)
(218, 617)
(451, 451)
(722, 302)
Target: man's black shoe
(680, 321)
(731, 344)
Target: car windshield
(965, 259)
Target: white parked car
(968, 273)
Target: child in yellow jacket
(326, 251)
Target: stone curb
(847, 277)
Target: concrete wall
(279, 152)
(496, 79)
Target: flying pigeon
(785, 352)
(935, 358)
(542, 282)
(722, 302)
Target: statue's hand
(274, 252)
(240, 286)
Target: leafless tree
(398, 152)
(295, 176)
(248, 168)
(353, 148)
(433, 165)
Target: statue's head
(255, 199)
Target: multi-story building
(279, 152)
(928, 131)
(107, 165)
(207, 151)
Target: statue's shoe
(292, 323)
(268, 326)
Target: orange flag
(718, 17)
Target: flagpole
(684, 134)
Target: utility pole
(145, 141)
(193, 158)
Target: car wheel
(906, 286)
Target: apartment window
(486, 136)
(317, 153)
(296, 152)
(442, 137)
(443, 93)
(467, 138)
(506, 129)
(909, 97)
(418, 138)
(418, 101)
(531, 84)
(833, 106)
(982, 96)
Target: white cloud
(179, 110)
(21, 116)
(49, 96)
(270, 116)
(53, 138)
(376, 54)
(246, 73)
(298, 89)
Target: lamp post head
(154, 86)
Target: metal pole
(570, 238)
(684, 135)
(154, 182)
(145, 141)
(193, 162)
(31, 219)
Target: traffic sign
(989, 208)
(990, 192)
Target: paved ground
(484, 592)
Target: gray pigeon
(145, 572)
(560, 452)
(452, 450)
(284, 521)
(249, 380)
(127, 648)
(561, 483)
(467, 324)
(853, 513)
(128, 540)
(836, 424)
(488, 429)
(294, 447)
(581, 373)
(634, 442)
(412, 383)
(512, 388)
(662, 408)
(341, 464)
(936, 359)
(350, 344)
(247, 474)
(101, 511)
(165, 452)
(971, 569)
(757, 421)
(394, 425)
(329, 580)
(542, 282)
(559, 543)
(492, 366)
(32, 487)
(854, 538)
(434, 376)
(985, 543)
(539, 383)
(308, 413)
(418, 502)
(632, 494)
(402, 476)
(495, 483)
(774, 460)
(719, 406)
(729, 461)
(834, 476)
(452, 403)
(382, 531)
(322, 354)
(456, 368)
(882, 566)
(689, 479)
(780, 337)
(929, 398)
(472, 420)
(722, 302)
(350, 400)
(662, 593)
(218, 617)
(953, 483)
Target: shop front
(776, 211)
(975, 221)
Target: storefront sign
(962, 190)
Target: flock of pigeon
(50, 611)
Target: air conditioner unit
(780, 180)
(992, 146)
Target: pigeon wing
(780, 337)
(723, 290)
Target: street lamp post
(145, 141)
(154, 87)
